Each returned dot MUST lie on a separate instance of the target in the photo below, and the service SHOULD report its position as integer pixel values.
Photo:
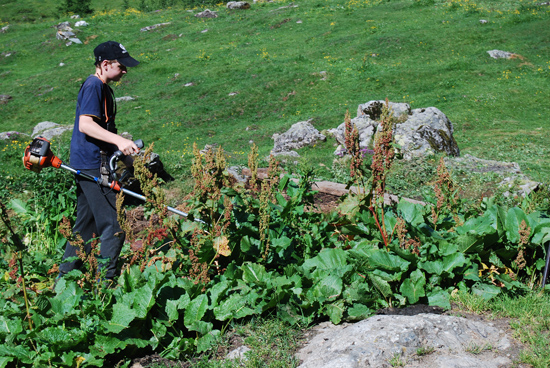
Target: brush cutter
(38, 156)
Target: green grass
(529, 318)
(426, 55)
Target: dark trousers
(96, 216)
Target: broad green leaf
(59, 337)
(201, 327)
(387, 275)
(381, 258)
(280, 245)
(217, 290)
(470, 243)
(486, 291)
(68, 299)
(10, 328)
(144, 300)
(453, 261)
(254, 273)
(472, 273)
(541, 232)
(335, 311)
(19, 206)
(207, 341)
(498, 214)
(358, 291)
(413, 287)
(381, 285)
(329, 287)
(174, 306)
(105, 345)
(349, 206)
(440, 298)
(477, 225)
(232, 307)
(4, 361)
(328, 261)
(358, 312)
(446, 248)
(19, 352)
(432, 267)
(411, 212)
(195, 310)
(188, 227)
(123, 315)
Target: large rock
(4, 99)
(49, 130)
(425, 132)
(299, 135)
(207, 14)
(238, 5)
(418, 132)
(376, 342)
(12, 135)
(499, 54)
(366, 128)
(373, 109)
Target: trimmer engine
(38, 155)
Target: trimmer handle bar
(118, 155)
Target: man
(94, 140)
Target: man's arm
(88, 126)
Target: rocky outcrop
(499, 54)
(49, 130)
(418, 132)
(423, 340)
(238, 5)
(155, 26)
(426, 132)
(207, 14)
(300, 135)
(65, 32)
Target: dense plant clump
(76, 7)
(248, 250)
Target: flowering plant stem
(19, 245)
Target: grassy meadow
(248, 74)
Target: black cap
(112, 50)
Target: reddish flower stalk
(382, 160)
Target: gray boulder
(11, 135)
(426, 132)
(395, 340)
(499, 54)
(124, 99)
(4, 99)
(238, 5)
(299, 135)
(366, 128)
(373, 109)
(49, 130)
(207, 14)
(418, 132)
